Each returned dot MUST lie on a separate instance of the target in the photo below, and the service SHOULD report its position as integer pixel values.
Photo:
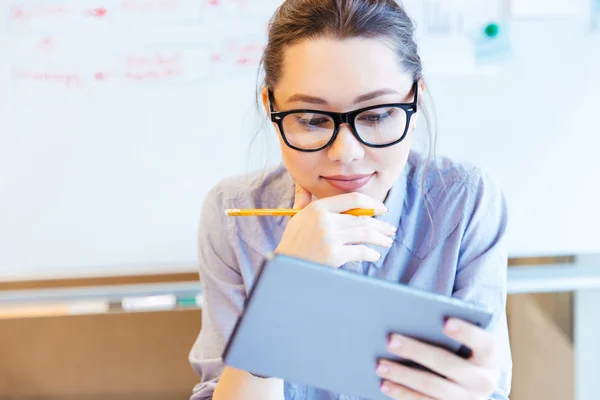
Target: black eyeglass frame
(344, 118)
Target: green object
(492, 30)
(186, 302)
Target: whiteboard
(117, 119)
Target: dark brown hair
(297, 20)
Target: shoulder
(445, 180)
(270, 188)
(444, 195)
(258, 189)
(430, 173)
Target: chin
(325, 190)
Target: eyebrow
(298, 97)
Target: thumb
(302, 197)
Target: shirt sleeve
(223, 295)
(482, 268)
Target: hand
(471, 379)
(321, 234)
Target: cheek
(301, 166)
(390, 161)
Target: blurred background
(117, 116)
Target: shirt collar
(394, 203)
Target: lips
(348, 182)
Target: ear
(413, 121)
(421, 89)
(264, 94)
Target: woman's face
(340, 76)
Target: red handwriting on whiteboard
(68, 80)
(239, 55)
(98, 12)
(45, 46)
(149, 5)
(235, 3)
(24, 15)
(158, 66)
(246, 54)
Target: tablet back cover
(324, 327)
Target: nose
(345, 148)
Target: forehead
(339, 70)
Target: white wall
(107, 176)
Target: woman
(343, 88)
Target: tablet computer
(324, 327)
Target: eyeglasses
(378, 126)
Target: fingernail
(385, 388)
(395, 343)
(381, 368)
(452, 325)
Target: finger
(302, 197)
(422, 382)
(439, 360)
(348, 201)
(364, 235)
(399, 392)
(348, 221)
(480, 341)
(358, 252)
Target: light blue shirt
(456, 248)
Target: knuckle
(365, 232)
(322, 219)
(355, 197)
(335, 255)
(397, 392)
(411, 348)
(323, 232)
(410, 395)
(369, 254)
(364, 221)
(320, 210)
(487, 382)
(334, 260)
(488, 347)
(431, 385)
(315, 206)
(375, 224)
(364, 252)
(447, 359)
(326, 236)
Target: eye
(376, 117)
(312, 121)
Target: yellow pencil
(257, 212)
